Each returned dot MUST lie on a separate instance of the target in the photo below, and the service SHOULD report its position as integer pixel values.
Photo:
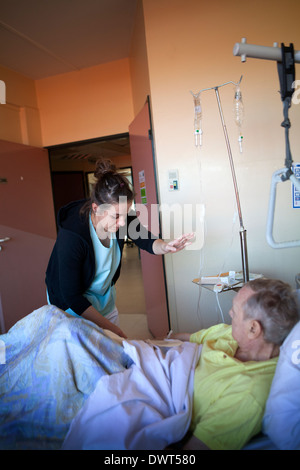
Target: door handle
(3, 240)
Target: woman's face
(111, 217)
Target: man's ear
(255, 329)
(94, 208)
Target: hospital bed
(66, 384)
(60, 375)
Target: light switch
(173, 180)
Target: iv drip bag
(197, 120)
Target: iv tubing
(243, 239)
(230, 159)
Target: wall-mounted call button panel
(173, 180)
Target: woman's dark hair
(109, 187)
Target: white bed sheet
(146, 407)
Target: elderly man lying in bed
(236, 367)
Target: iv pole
(243, 238)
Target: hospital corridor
(130, 296)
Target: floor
(130, 296)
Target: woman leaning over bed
(86, 259)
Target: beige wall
(189, 47)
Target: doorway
(72, 166)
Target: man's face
(240, 325)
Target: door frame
(145, 179)
(151, 136)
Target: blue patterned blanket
(51, 364)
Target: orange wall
(93, 102)
(19, 117)
(139, 62)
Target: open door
(144, 179)
(27, 230)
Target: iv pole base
(243, 240)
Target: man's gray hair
(274, 305)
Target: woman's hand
(94, 316)
(161, 247)
(115, 329)
(180, 336)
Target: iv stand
(243, 238)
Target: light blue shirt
(102, 293)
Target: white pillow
(281, 422)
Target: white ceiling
(42, 38)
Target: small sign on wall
(296, 193)
(142, 184)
